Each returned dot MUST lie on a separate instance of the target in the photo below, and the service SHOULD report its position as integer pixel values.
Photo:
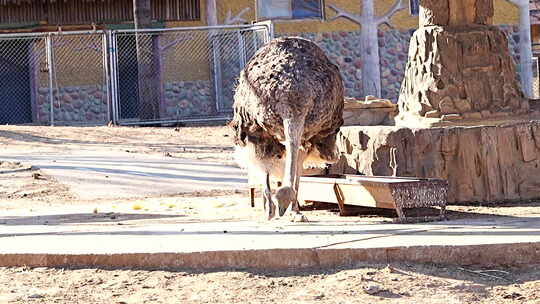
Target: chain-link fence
(173, 75)
(23, 66)
(535, 79)
(79, 79)
(53, 78)
(151, 76)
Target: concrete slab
(182, 243)
(96, 175)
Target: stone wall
(343, 48)
(394, 48)
(188, 98)
(83, 104)
(88, 104)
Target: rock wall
(343, 48)
(83, 104)
(88, 104)
(188, 98)
(481, 164)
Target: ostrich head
(285, 196)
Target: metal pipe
(218, 90)
(78, 33)
(106, 74)
(113, 53)
(110, 56)
(193, 28)
(51, 89)
(153, 122)
(241, 49)
(19, 35)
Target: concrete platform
(142, 240)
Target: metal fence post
(113, 58)
(50, 72)
(241, 49)
(217, 72)
(106, 73)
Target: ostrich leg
(294, 128)
(298, 216)
(269, 206)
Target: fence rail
(125, 76)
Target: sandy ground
(371, 283)
(31, 191)
(203, 143)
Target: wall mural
(372, 76)
(212, 19)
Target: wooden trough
(375, 191)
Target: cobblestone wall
(188, 98)
(84, 104)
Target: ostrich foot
(270, 210)
(299, 218)
(269, 206)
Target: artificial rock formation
(459, 68)
(462, 115)
(481, 164)
(371, 112)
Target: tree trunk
(146, 62)
(369, 44)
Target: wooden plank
(365, 191)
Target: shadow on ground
(81, 218)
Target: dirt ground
(29, 190)
(203, 143)
(34, 190)
(362, 283)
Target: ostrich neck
(293, 132)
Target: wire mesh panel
(148, 76)
(232, 50)
(173, 75)
(80, 87)
(536, 79)
(23, 68)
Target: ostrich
(288, 108)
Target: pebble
(372, 289)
